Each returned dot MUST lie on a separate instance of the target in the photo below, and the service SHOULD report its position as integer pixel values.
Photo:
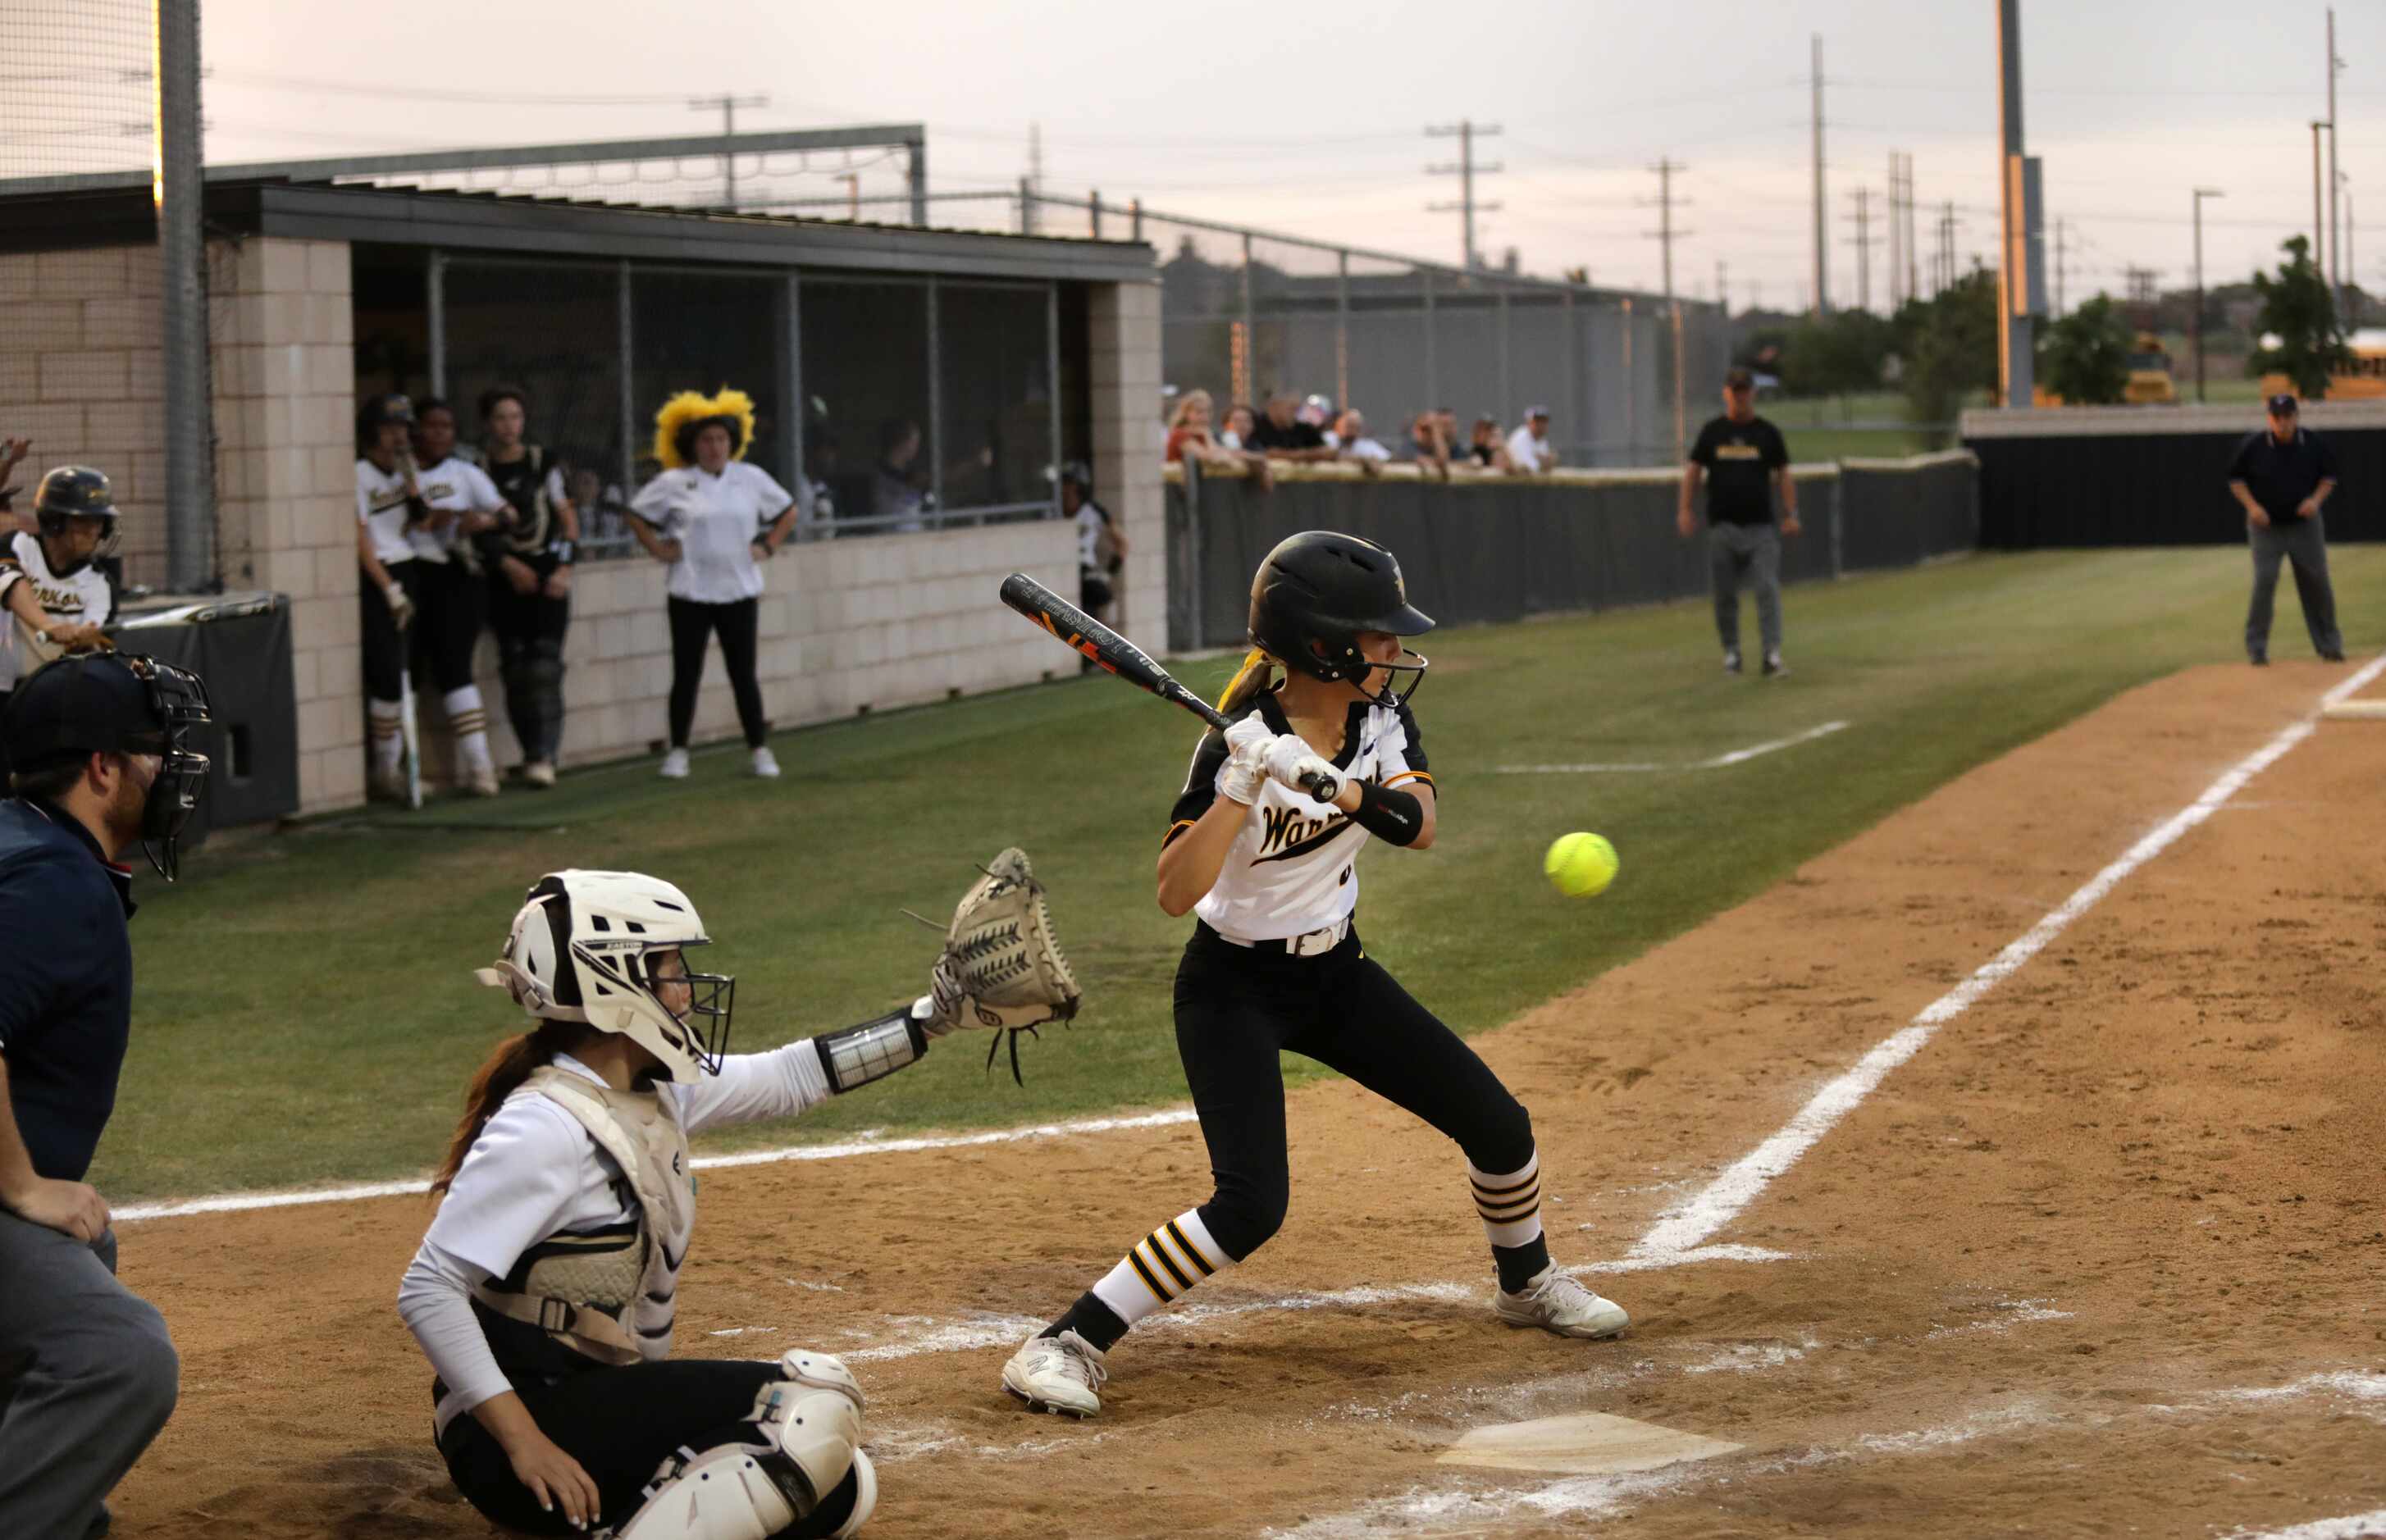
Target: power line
(1665, 235)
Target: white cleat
(481, 782)
(1060, 1374)
(675, 765)
(766, 765)
(539, 774)
(1556, 1303)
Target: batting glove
(401, 609)
(1292, 762)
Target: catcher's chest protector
(614, 1304)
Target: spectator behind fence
(1530, 450)
(1485, 451)
(1236, 433)
(1189, 438)
(1280, 435)
(900, 487)
(1319, 413)
(1356, 447)
(529, 559)
(1426, 449)
(598, 504)
(711, 515)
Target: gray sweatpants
(1755, 550)
(2303, 543)
(87, 1377)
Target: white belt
(1310, 944)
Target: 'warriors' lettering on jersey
(1293, 866)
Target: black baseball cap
(2282, 405)
(1738, 380)
(88, 703)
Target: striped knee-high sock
(384, 727)
(468, 719)
(1510, 1203)
(1161, 1268)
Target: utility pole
(1665, 235)
(1913, 231)
(1464, 169)
(1948, 225)
(1723, 286)
(1031, 186)
(1863, 196)
(2017, 358)
(2201, 193)
(1896, 232)
(2059, 268)
(1822, 251)
(2320, 225)
(2335, 231)
(727, 106)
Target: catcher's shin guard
(810, 1424)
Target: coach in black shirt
(2282, 475)
(1742, 459)
(87, 1372)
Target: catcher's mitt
(1001, 967)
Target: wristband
(1392, 816)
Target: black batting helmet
(382, 409)
(1316, 592)
(76, 491)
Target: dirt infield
(2104, 1258)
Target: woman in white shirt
(710, 516)
(544, 1289)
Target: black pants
(1236, 1007)
(5, 695)
(690, 622)
(619, 1425)
(530, 629)
(439, 644)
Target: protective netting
(76, 89)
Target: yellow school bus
(2149, 378)
(2363, 380)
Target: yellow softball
(1580, 864)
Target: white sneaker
(765, 765)
(1060, 1374)
(675, 765)
(1556, 1303)
(481, 782)
(539, 774)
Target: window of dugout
(885, 404)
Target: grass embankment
(306, 1011)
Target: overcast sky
(1242, 110)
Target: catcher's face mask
(700, 1003)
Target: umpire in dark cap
(105, 758)
(2282, 475)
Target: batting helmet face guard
(583, 948)
(73, 491)
(1313, 597)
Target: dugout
(1010, 354)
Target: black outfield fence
(2153, 475)
(1488, 548)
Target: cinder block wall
(1129, 440)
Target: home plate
(1587, 1443)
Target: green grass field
(306, 1011)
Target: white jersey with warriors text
(1294, 867)
(83, 598)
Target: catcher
(544, 1289)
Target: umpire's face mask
(170, 791)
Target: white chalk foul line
(1689, 1224)
(2352, 1526)
(232, 1203)
(1720, 761)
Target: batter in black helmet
(1274, 961)
(56, 598)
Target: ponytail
(499, 1077)
(1249, 682)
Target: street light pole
(2201, 193)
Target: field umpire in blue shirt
(2282, 475)
(103, 758)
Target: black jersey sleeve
(1776, 448)
(1200, 785)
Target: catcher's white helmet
(579, 952)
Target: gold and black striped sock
(1161, 1267)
